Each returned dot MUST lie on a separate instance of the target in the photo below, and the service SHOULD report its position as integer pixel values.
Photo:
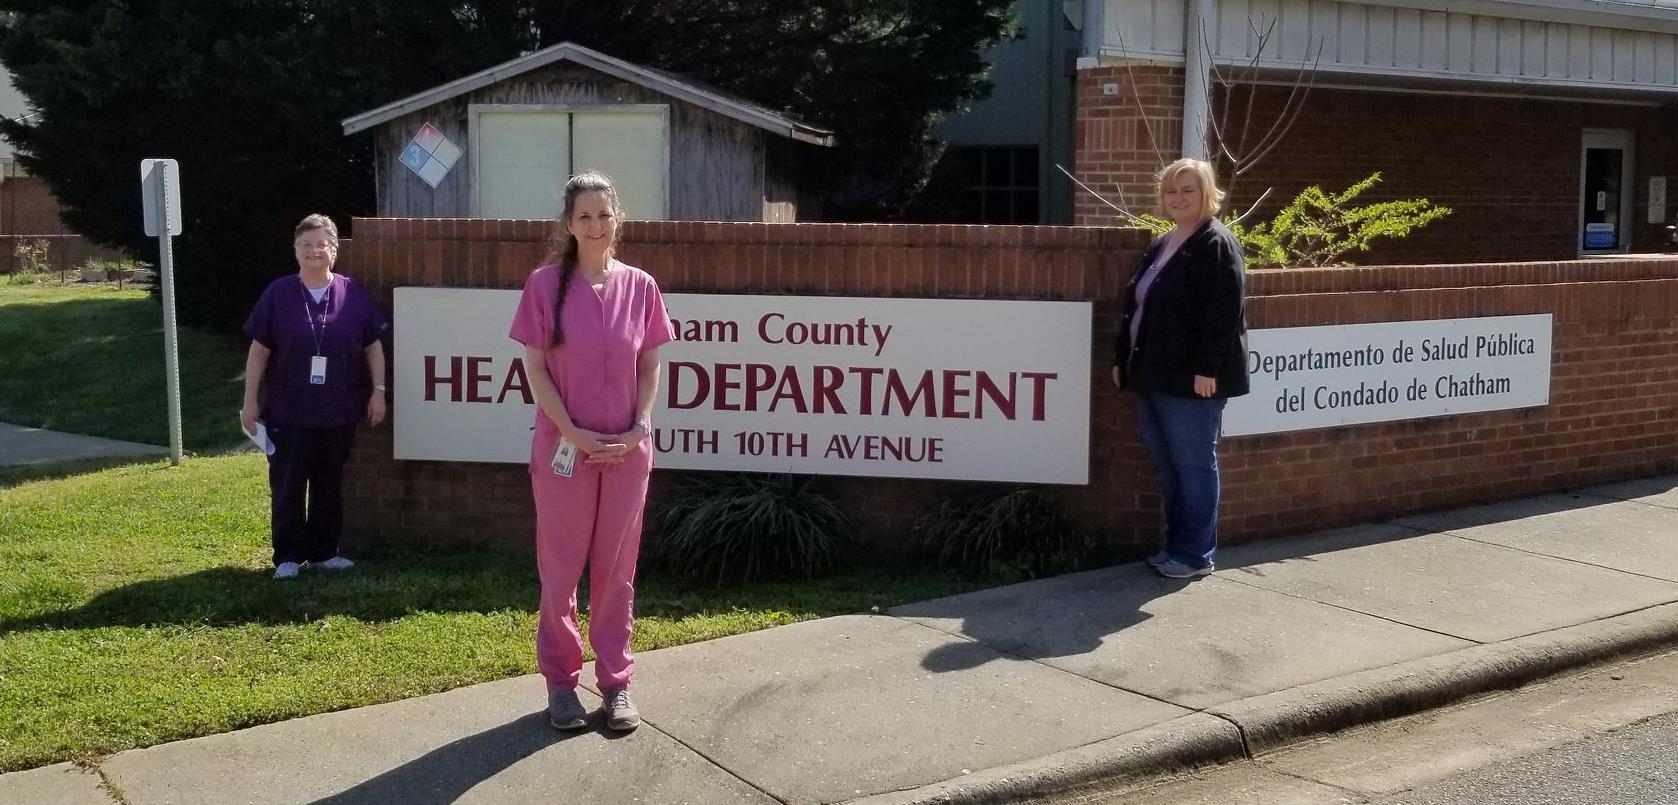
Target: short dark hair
(313, 222)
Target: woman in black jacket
(1182, 350)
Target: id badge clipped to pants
(565, 459)
(317, 370)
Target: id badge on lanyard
(317, 363)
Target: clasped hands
(609, 449)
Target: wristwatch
(645, 426)
(378, 388)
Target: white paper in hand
(259, 438)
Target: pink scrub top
(605, 334)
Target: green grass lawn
(89, 359)
(136, 607)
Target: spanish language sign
(910, 388)
(1318, 377)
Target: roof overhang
(1646, 16)
(745, 112)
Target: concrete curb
(1272, 720)
(1193, 740)
(1267, 722)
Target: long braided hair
(586, 182)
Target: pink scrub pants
(593, 518)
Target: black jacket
(1194, 323)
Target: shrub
(724, 527)
(33, 256)
(1317, 229)
(1021, 534)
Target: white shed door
(629, 147)
(523, 163)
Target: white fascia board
(1596, 13)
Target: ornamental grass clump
(738, 527)
(1020, 535)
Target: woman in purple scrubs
(316, 355)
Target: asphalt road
(1637, 765)
(1604, 736)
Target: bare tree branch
(1292, 106)
(1290, 113)
(1252, 70)
(1243, 216)
(1123, 213)
(1147, 122)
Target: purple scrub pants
(306, 491)
(593, 518)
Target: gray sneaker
(565, 711)
(1159, 559)
(621, 714)
(1177, 570)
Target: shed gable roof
(727, 105)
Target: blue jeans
(1182, 438)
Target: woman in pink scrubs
(591, 328)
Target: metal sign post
(160, 194)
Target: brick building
(1546, 125)
(27, 207)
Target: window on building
(524, 155)
(1000, 184)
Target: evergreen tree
(249, 95)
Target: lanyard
(309, 313)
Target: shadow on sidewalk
(444, 774)
(1249, 557)
(1059, 617)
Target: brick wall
(29, 213)
(1117, 150)
(27, 207)
(1508, 167)
(1613, 411)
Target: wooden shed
(500, 144)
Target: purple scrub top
(292, 325)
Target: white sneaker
(286, 570)
(335, 563)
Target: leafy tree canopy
(249, 95)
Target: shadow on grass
(375, 590)
(82, 362)
(19, 474)
(393, 587)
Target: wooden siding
(1397, 41)
(717, 167)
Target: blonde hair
(1211, 198)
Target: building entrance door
(1605, 176)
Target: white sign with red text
(907, 388)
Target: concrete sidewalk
(1008, 692)
(21, 445)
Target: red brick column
(1129, 125)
